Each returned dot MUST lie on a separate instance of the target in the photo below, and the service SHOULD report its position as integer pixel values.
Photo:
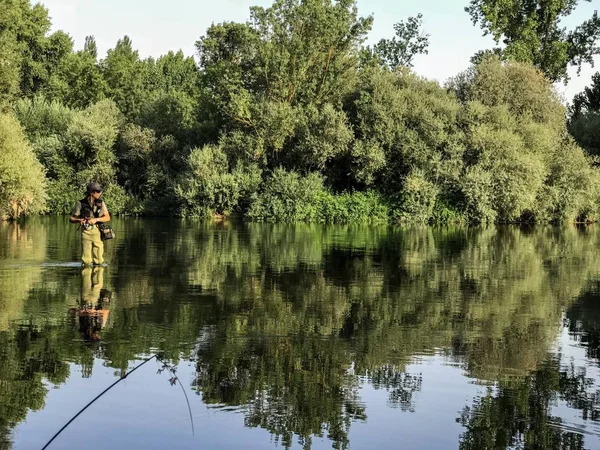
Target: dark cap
(93, 186)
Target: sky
(157, 26)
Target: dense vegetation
(291, 117)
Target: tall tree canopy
(408, 42)
(31, 54)
(531, 31)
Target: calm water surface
(301, 336)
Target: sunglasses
(96, 192)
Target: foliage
(531, 32)
(408, 42)
(22, 180)
(290, 197)
(75, 147)
(525, 150)
(291, 106)
(77, 81)
(30, 51)
(208, 186)
(584, 117)
(355, 207)
(292, 52)
(123, 72)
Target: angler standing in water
(89, 212)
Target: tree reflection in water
(289, 322)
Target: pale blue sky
(157, 26)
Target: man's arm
(75, 214)
(76, 219)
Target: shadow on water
(302, 328)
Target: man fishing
(88, 213)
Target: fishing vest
(87, 211)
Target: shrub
(288, 197)
(355, 207)
(207, 186)
(22, 178)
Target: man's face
(96, 194)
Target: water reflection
(290, 324)
(93, 311)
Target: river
(264, 336)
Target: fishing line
(113, 385)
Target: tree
(24, 30)
(409, 42)
(22, 179)
(91, 47)
(584, 117)
(124, 74)
(531, 32)
(520, 414)
(294, 52)
(77, 81)
(589, 99)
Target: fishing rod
(165, 366)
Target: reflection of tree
(402, 386)
(290, 320)
(25, 359)
(584, 321)
(518, 414)
(22, 248)
(288, 385)
(479, 293)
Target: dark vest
(87, 211)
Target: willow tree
(22, 178)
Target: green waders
(92, 245)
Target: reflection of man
(92, 318)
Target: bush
(418, 198)
(208, 187)
(355, 207)
(290, 197)
(22, 178)
(41, 118)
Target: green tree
(496, 94)
(584, 117)
(408, 42)
(10, 67)
(24, 31)
(78, 81)
(531, 32)
(209, 186)
(22, 179)
(292, 53)
(172, 84)
(520, 413)
(124, 73)
(75, 146)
